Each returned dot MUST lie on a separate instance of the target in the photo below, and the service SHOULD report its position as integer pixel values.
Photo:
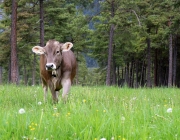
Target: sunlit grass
(91, 113)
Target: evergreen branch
(91, 17)
(108, 2)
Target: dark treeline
(135, 43)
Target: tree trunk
(110, 48)
(131, 74)
(114, 76)
(77, 71)
(143, 72)
(148, 62)
(110, 52)
(170, 61)
(14, 61)
(25, 74)
(137, 67)
(34, 70)
(155, 68)
(174, 63)
(41, 39)
(41, 23)
(127, 74)
(123, 74)
(118, 75)
(9, 71)
(1, 74)
(160, 73)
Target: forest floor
(91, 113)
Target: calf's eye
(57, 52)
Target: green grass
(91, 113)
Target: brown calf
(57, 67)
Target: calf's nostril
(49, 66)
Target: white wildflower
(103, 139)
(39, 103)
(55, 108)
(169, 110)
(24, 137)
(21, 111)
(122, 118)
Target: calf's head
(53, 53)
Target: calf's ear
(38, 50)
(66, 46)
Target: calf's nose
(50, 66)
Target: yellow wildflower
(56, 114)
(68, 114)
(33, 126)
(32, 129)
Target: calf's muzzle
(50, 66)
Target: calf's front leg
(45, 88)
(66, 84)
(54, 93)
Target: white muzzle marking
(50, 66)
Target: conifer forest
(134, 43)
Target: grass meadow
(91, 113)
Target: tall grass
(91, 113)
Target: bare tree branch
(136, 17)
